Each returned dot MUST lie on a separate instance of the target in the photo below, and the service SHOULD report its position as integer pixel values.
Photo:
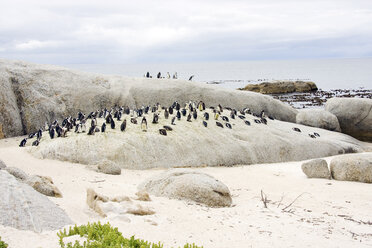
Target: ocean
(328, 74)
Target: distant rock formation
(32, 94)
(281, 87)
(354, 116)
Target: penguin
(64, 132)
(173, 119)
(195, 114)
(155, 118)
(58, 130)
(39, 134)
(316, 134)
(247, 123)
(133, 120)
(178, 115)
(206, 116)
(148, 74)
(163, 132)
(144, 124)
(228, 125)
(127, 110)
(271, 118)
(225, 118)
(219, 124)
(124, 125)
(23, 142)
(178, 106)
(257, 121)
(51, 133)
(190, 78)
(296, 129)
(170, 110)
(31, 135)
(96, 130)
(184, 112)
(103, 128)
(83, 127)
(242, 117)
(220, 108)
(205, 123)
(263, 120)
(232, 115)
(166, 114)
(112, 124)
(168, 75)
(36, 143)
(189, 118)
(108, 118)
(91, 130)
(159, 75)
(312, 136)
(201, 106)
(93, 122)
(168, 128)
(262, 114)
(146, 110)
(118, 117)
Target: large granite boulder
(44, 185)
(191, 144)
(354, 116)
(316, 168)
(352, 167)
(318, 118)
(23, 208)
(281, 87)
(189, 185)
(2, 164)
(32, 94)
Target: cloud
(116, 31)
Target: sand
(327, 213)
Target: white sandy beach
(327, 214)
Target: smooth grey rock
(318, 118)
(109, 167)
(33, 94)
(352, 167)
(316, 168)
(44, 185)
(23, 208)
(189, 185)
(17, 173)
(354, 116)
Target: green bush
(3, 244)
(105, 236)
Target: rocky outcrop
(23, 208)
(44, 185)
(109, 167)
(32, 94)
(354, 116)
(352, 167)
(316, 168)
(318, 118)
(190, 144)
(17, 173)
(281, 87)
(189, 185)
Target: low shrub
(105, 236)
(3, 244)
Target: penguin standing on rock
(144, 124)
(23, 142)
(173, 119)
(123, 125)
(103, 127)
(155, 118)
(112, 123)
(166, 114)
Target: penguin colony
(121, 117)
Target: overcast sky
(150, 31)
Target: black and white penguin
(247, 123)
(219, 124)
(271, 118)
(51, 132)
(206, 116)
(103, 127)
(39, 134)
(232, 115)
(316, 134)
(23, 142)
(166, 114)
(190, 78)
(155, 118)
(296, 129)
(219, 108)
(263, 120)
(189, 117)
(144, 124)
(36, 143)
(205, 123)
(195, 114)
(184, 112)
(112, 123)
(163, 132)
(178, 115)
(225, 118)
(178, 106)
(312, 136)
(228, 125)
(108, 118)
(31, 135)
(241, 117)
(170, 110)
(173, 119)
(133, 120)
(92, 130)
(123, 125)
(257, 121)
(159, 75)
(168, 128)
